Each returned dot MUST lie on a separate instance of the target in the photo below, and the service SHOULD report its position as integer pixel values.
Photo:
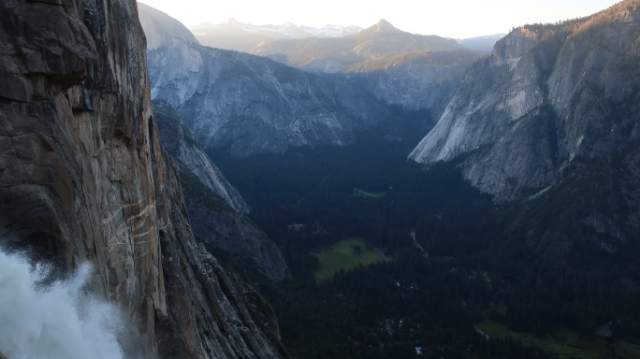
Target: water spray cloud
(58, 320)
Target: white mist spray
(56, 321)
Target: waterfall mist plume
(42, 319)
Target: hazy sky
(452, 18)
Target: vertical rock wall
(83, 177)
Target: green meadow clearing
(565, 345)
(346, 255)
(359, 193)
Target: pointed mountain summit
(381, 42)
(384, 26)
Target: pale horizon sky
(450, 18)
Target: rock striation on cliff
(83, 177)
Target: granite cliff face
(418, 81)
(216, 210)
(180, 144)
(83, 177)
(415, 72)
(246, 104)
(548, 98)
(549, 124)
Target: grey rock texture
(419, 81)
(178, 141)
(415, 72)
(167, 32)
(83, 177)
(216, 210)
(246, 104)
(549, 98)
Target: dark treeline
(476, 266)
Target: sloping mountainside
(548, 98)
(418, 81)
(551, 119)
(237, 36)
(352, 53)
(179, 143)
(481, 44)
(415, 72)
(83, 178)
(247, 104)
(216, 209)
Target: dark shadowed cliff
(217, 212)
(83, 177)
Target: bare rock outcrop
(217, 212)
(548, 97)
(83, 177)
(245, 105)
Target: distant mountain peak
(385, 26)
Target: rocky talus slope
(83, 177)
